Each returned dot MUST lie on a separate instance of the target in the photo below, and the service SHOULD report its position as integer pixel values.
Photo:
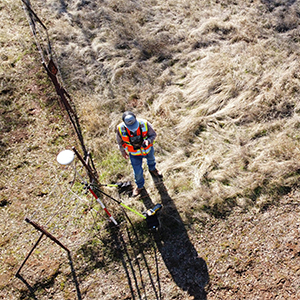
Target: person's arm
(120, 145)
(151, 134)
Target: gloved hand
(145, 144)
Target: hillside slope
(219, 80)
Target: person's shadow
(188, 270)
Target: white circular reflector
(65, 157)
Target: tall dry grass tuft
(218, 80)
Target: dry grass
(219, 80)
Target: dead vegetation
(219, 80)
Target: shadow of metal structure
(46, 284)
(30, 288)
(75, 280)
(188, 270)
(136, 266)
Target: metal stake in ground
(44, 232)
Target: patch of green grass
(112, 166)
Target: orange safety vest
(126, 134)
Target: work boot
(156, 173)
(136, 191)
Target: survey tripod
(150, 215)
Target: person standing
(135, 139)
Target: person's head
(130, 121)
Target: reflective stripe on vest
(124, 133)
